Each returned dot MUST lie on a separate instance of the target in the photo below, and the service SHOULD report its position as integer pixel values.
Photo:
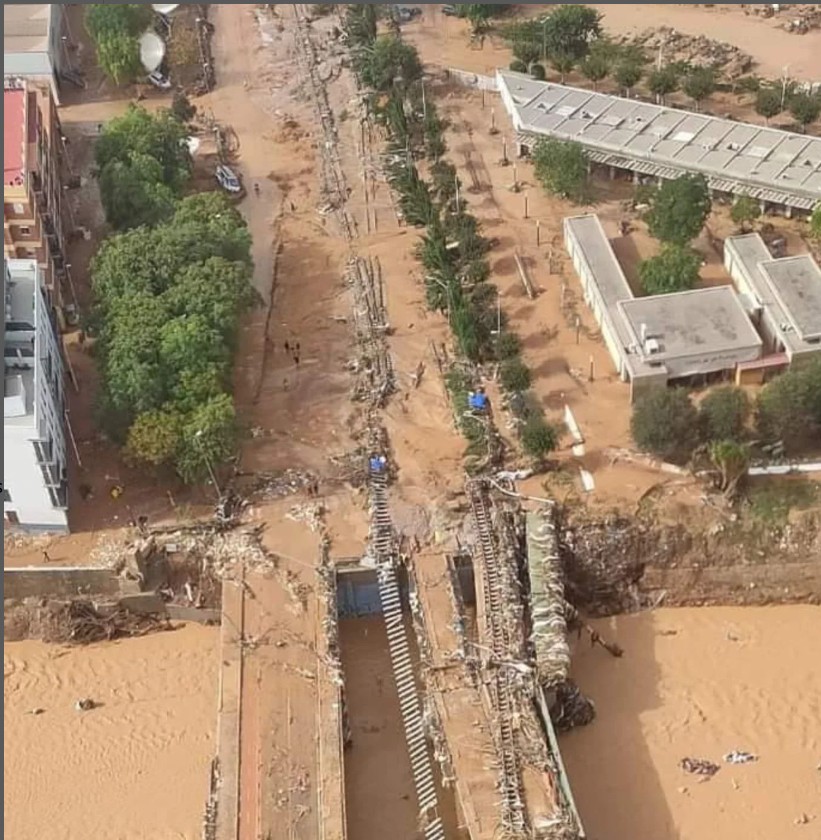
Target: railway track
(513, 808)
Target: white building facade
(35, 462)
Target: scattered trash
(699, 767)
(85, 704)
(740, 757)
(37, 711)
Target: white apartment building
(34, 436)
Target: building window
(25, 230)
(18, 208)
(6, 495)
(12, 518)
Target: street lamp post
(198, 437)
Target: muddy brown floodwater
(701, 683)
(136, 767)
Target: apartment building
(35, 38)
(34, 418)
(33, 163)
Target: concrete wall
(63, 582)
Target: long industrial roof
(766, 163)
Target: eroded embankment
(620, 564)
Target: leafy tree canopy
(745, 210)
(595, 67)
(805, 108)
(815, 222)
(538, 437)
(158, 135)
(570, 30)
(663, 81)
(561, 168)
(679, 210)
(768, 102)
(675, 269)
(126, 18)
(789, 407)
(724, 413)
(700, 83)
(133, 192)
(209, 436)
(118, 55)
(154, 437)
(387, 61)
(665, 423)
(628, 74)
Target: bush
(518, 66)
(538, 437)
(665, 424)
(538, 72)
(724, 413)
(515, 376)
(507, 346)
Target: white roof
(767, 163)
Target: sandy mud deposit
(136, 766)
(701, 684)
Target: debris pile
(697, 50)
(83, 622)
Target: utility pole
(198, 438)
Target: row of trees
(115, 30)
(452, 250)
(667, 424)
(169, 289)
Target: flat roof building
(781, 296)
(773, 166)
(34, 438)
(33, 46)
(661, 338)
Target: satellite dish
(193, 144)
(152, 50)
(164, 8)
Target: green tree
(133, 194)
(539, 438)
(628, 74)
(507, 346)
(107, 18)
(158, 135)
(361, 21)
(209, 438)
(679, 210)
(528, 52)
(211, 216)
(731, 461)
(154, 437)
(388, 61)
(815, 222)
(562, 63)
(480, 13)
(538, 72)
(662, 82)
(595, 67)
(569, 30)
(675, 269)
(805, 108)
(699, 84)
(665, 423)
(789, 407)
(561, 168)
(724, 413)
(768, 103)
(181, 107)
(745, 211)
(189, 343)
(118, 55)
(515, 376)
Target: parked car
(159, 81)
(228, 180)
(450, 11)
(405, 14)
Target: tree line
(169, 288)
(452, 251)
